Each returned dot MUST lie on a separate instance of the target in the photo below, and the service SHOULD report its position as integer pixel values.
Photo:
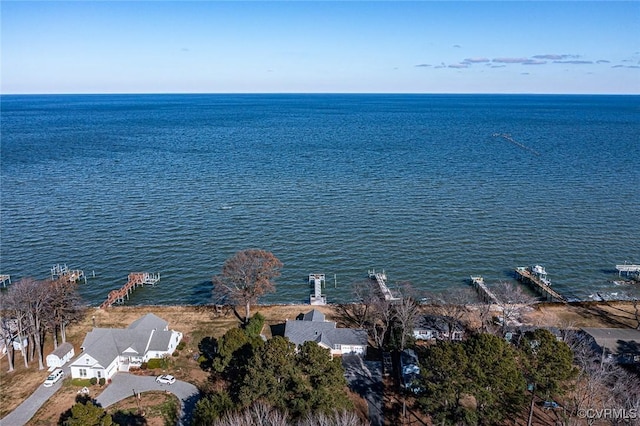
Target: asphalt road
(365, 378)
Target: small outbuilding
(60, 356)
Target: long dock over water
(317, 282)
(136, 279)
(381, 279)
(483, 291)
(539, 283)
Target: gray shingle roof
(314, 328)
(105, 344)
(149, 322)
(313, 315)
(62, 349)
(616, 340)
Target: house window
(83, 372)
(98, 374)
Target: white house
(314, 327)
(60, 356)
(105, 351)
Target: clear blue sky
(332, 47)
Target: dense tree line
(31, 310)
(245, 369)
(484, 379)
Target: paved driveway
(31, 405)
(124, 385)
(365, 378)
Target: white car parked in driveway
(166, 379)
(53, 378)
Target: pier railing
(135, 280)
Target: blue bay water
(336, 184)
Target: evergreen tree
(86, 413)
(548, 361)
(477, 381)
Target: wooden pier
(381, 279)
(5, 279)
(69, 275)
(483, 291)
(537, 280)
(317, 282)
(136, 279)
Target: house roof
(145, 333)
(149, 322)
(437, 323)
(616, 340)
(313, 315)
(314, 328)
(62, 349)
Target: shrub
(255, 324)
(175, 354)
(93, 381)
(144, 366)
(181, 345)
(102, 381)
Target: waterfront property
(313, 327)
(621, 345)
(105, 351)
(436, 327)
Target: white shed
(60, 356)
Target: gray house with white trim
(105, 351)
(314, 327)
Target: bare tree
(405, 312)
(65, 307)
(381, 319)
(7, 329)
(34, 296)
(452, 306)
(247, 276)
(16, 307)
(359, 313)
(512, 301)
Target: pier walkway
(483, 291)
(381, 279)
(539, 283)
(628, 269)
(5, 279)
(69, 275)
(317, 282)
(136, 279)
